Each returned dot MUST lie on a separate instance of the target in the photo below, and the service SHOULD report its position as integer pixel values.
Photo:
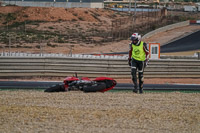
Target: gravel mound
(113, 112)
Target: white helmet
(135, 36)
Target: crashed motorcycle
(99, 84)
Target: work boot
(141, 87)
(141, 90)
(135, 90)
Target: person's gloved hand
(146, 63)
(129, 62)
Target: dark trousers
(137, 66)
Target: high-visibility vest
(138, 52)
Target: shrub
(25, 16)
(50, 45)
(10, 16)
(75, 14)
(74, 20)
(50, 27)
(37, 46)
(81, 18)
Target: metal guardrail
(19, 54)
(94, 67)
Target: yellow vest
(138, 52)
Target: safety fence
(94, 67)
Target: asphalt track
(188, 43)
(120, 86)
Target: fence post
(198, 54)
(9, 43)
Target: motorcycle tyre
(55, 88)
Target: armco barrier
(94, 67)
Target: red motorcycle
(99, 84)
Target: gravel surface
(113, 112)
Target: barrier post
(154, 50)
(198, 54)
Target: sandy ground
(113, 112)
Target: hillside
(52, 14)
(54, 27)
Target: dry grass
(36, 111)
